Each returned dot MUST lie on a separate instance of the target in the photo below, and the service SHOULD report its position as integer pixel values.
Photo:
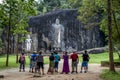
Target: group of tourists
(37, 62)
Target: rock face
(76, 36)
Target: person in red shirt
(75, 60)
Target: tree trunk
(112, 68)
(115, 21)
(13, 47)
(17, 51)
(8, 39)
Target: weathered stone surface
(95, 50)
(76, 36)
(106, 64)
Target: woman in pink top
(22, 62)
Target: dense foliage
(94, 12)
(104, 14)
(44, 6)
(14, 15)
(19, 10)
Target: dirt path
(93, 74)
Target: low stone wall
(95, 50)
(106, 64)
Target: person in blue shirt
(34, 61)
(57, 59)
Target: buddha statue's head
(57, 21)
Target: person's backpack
(86, 57)
(52, 58)
(22, 58)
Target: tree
(0, 38)
(44, 6)
(75, 4)
(14, 18)
(116, 26)
(94, 13)
(110, 36)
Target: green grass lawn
(97, 58)
(107, 75)
(12, 61)
(94, 58)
